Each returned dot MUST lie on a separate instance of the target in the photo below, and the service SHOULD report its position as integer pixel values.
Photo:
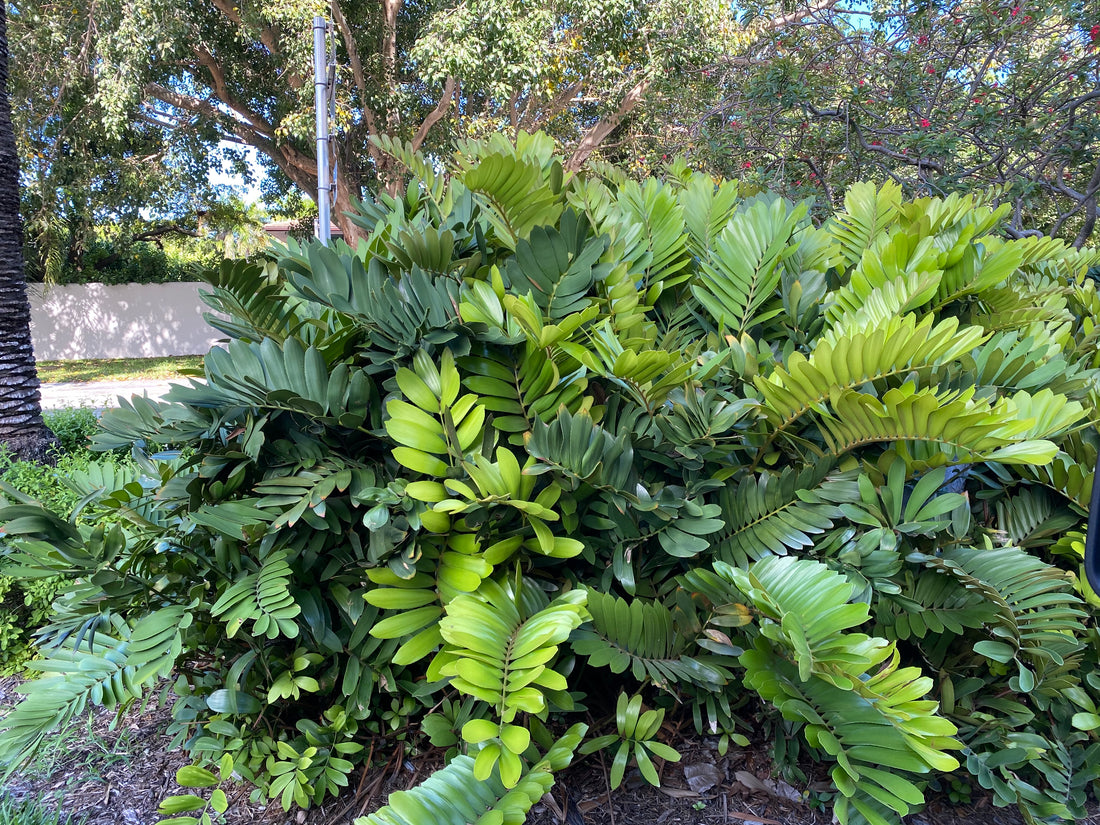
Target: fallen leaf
(702, 776)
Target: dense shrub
(25, 602)
(544, 440)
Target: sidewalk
(100, 394)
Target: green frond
(930, 603)
(559, 266)
(422, 169)
(97, 669)
(1031, 518)
(642, 636)
(743, 271)
(868, 212)
(454, 795)
(857, 705)
(1037, 615)
(1048, 415)
(1016, 308)
(518, 385)
(1070, 472)
(968, 430)
(274, 376)
(257, 304)
(499, 650)
(262, 598)
(583, 451)
(848, 359)
(773, 514)
(401, 313)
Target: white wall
(125, 321)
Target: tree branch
(605, 126)
(435, 114)
(781, 22)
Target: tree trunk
(21, 427)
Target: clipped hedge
(546, 438)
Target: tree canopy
(939, 96)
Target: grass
(31, 811)
(117, 369)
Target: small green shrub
(24, 607)
(544, 441)
(74, 428)
(25, 602)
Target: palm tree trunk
(22, 430)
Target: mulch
(100, 773)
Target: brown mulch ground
(104, 776)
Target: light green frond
(658, 254)
(743, 270)
(980, 268)
(708, 209)
(847, 359)
(1011, 361)
(518, 193)
(868, 212)
(966, 429)
(455, 795)
(897, 274)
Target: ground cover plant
(25, 602)
(548, 449)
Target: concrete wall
(125, 321)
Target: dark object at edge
(1092, 539)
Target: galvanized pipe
(320, 102)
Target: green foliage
(538, 436)
(635, 731)
(37, 811)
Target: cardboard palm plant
(542, 437)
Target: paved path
(99, 394)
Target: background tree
(90, 189)
(428, 73)
(21, 427)
(939, 96)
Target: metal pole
(320, 102)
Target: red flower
(1015, 10)
(925, 123)
(747, 164)
(1094, 32)
(931, 70)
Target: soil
(98, 773)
